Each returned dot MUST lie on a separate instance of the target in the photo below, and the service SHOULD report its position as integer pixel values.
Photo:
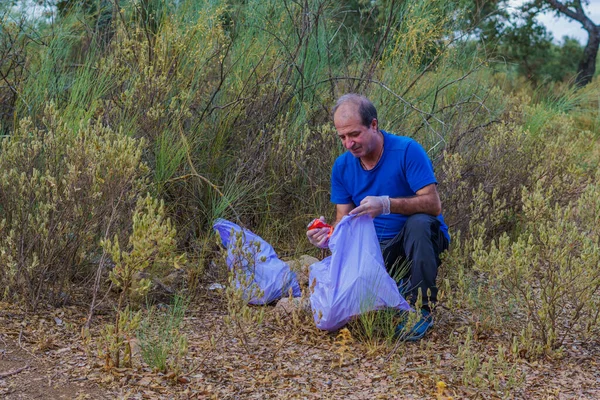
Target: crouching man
(391, 179)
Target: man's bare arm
(342, 210)
(426, 201)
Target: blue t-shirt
(404, 168)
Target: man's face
(360, 140)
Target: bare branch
(578, 15)
(13, 372)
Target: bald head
(356, 103)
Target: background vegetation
(221, 109)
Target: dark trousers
(413, 256)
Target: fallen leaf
(146, 381)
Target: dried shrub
(549, 272)
(527, 255)
(481, 180)
(61, 191)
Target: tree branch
(578, 15)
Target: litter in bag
(258, 271)
(353, 280)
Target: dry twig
(13, 372)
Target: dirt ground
(41, 376)
(40, 363)
(43, 356)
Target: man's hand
(319, 237)
(373, 206)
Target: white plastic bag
(256, 265)
(353, 280)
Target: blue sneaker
(417, 331)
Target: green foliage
(116, 342)
(162, 344)
(520, 43)
(528, 45)
(232, 99)
(151, 248)
(531, 48)
(241, 286)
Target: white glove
(373, 206)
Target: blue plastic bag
(353, 280)
(258, 271)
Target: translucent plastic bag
(258, 271)
(353, 280)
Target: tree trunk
(587, 66)
(574, 10)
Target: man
(391, 179)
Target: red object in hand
(317, 223)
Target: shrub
(61, 191)
(119, 339)
(525, 255)
(482, 178)
(550, 271)
(151, 248)
(241, 286)
(162, 344)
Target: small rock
(289, 305)
(216, 286)
(301, 266)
